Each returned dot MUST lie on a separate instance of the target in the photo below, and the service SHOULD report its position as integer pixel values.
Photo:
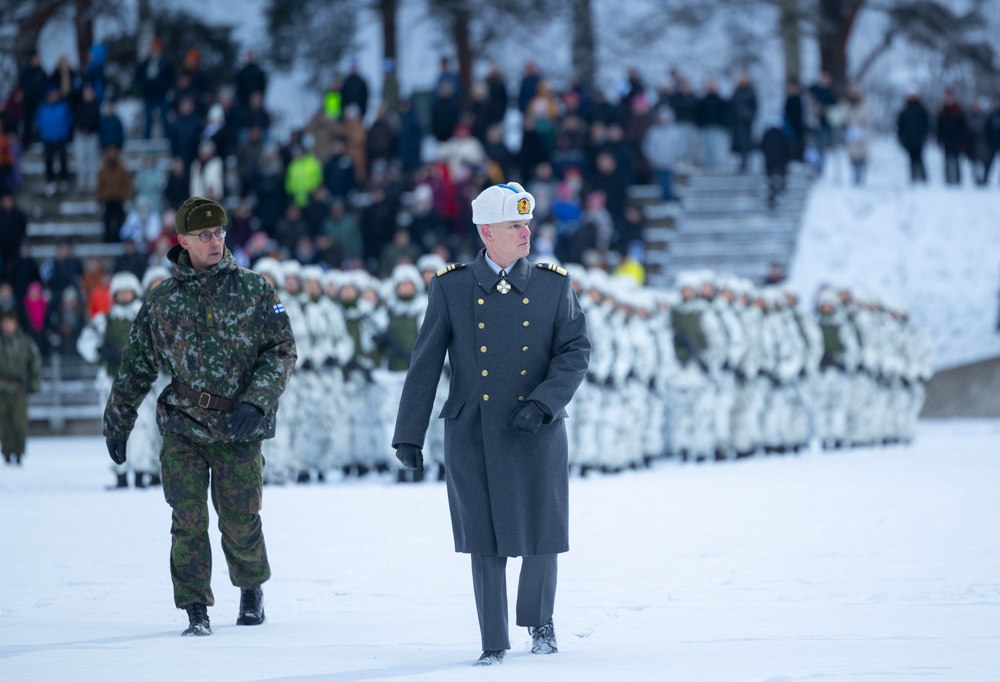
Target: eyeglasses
(207, 236)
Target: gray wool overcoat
(508, 490)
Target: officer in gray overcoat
(517, 342)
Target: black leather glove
(116, 448)
(307, 365)
(330, 362)
(410, 456)
(245, 420)
(527, 417)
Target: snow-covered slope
(870, 564)
(934, 247)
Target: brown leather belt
(204, 400)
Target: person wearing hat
(517, 342)
(223, 336)
(20, 374)
(102, 342)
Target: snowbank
(934, 247)
(876, 564)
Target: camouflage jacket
(222, 331)
(20, 363)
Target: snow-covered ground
(934, 247)
(878, 564)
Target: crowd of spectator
(368, 184)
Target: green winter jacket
(222, 331)
(20, 363)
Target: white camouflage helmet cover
(312, 272)
(578, 274)
(154, 272)
(292, 268)
(828, 296)
(269, 266)
(406, 272)
(125, 281)
(502, 203)
(430, 261)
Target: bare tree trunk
(84, 22)
(390, 82)
(146, 31)
(836, 21)
(30, 27)
(791, 39)
(584, 47)
(463, 47)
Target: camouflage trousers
(236, 471)
(13, 421)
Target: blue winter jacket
(54, 121)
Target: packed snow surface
(873, 564)
(933, 247)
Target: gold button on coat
(481, 325)
(482, 349)
(525, 323)
(485, 372)
(520, 397)
(523, 372)
(524, 350)
(525, 301)
(486, 397)
(480, 301)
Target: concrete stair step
(690, 223)
(667, 235)
(715, 260)
(86, 250)
(710, 249)
(65, 229)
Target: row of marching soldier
(715, 368)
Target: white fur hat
(154, 272)
(405, 272)
(269, 266)
(312, 272)
(500, 203)
(291, 268)
(430, 261)
(125, 281)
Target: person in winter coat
(13, 227)
(952, 137)
(86, 145)
(20, 374)
(992, 134)
(33, 83)
(978, 146)
(150, 182)
(859, 116)
(777, 150)
(155, 78)
(249, 80)
(355, 91)
(795, 118)
(743, 110)
(445, 112)
(110, 130)
(528, 336)
(303, 176)
(664, 147)
(54, 121)
(714, 121)
(912, 129)
(103, 341)
(186, 132)
(114, 188)
(207, 173)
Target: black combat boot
(6, 457)
(303, 477)
(491, 657)
(401, 476)
(198, 625)
(17, 458)
(140, 479)
(154, 480)
(251, 607)
(122, 481)
(381, 467)
(441, 474)
(418, 476)
(543, 638)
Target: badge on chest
(503, 286)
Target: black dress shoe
(491, 657)
(198, 624)
(543, 638)
(251, 607)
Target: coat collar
(517, 274)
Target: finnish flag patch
(278, 308)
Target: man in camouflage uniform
(222, 335)
(20, 373)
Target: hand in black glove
(307, 365)
(410, 456)
(330, 362)
(116, 448)
(245, 420)
(527, 417)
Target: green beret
(197, 213)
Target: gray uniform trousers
(536, 595)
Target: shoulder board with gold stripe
(450, 268)
(552, 268)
